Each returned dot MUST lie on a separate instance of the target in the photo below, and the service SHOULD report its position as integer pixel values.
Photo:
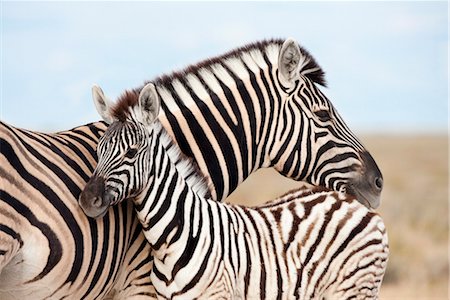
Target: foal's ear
(288, 61)
(102, 104)
(149, 104)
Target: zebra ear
(102, 104)
(288, 60)
(149, 104)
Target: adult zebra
(214, 122)
(316, 245)
(258, 106)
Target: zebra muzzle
(368, 187)
(93, 200)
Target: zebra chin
(94, 200)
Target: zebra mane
(187, 168)
(309, 68)
(303, 191)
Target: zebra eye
(323, 115)
(131, 153)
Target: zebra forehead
(120, 132)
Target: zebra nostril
(379, 183)
(97, 202)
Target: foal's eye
(131, 153)
(323, 115)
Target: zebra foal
(315, 244)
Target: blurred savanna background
(386, 65)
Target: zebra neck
(236, 97)
(174, 183)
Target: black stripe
(226, 149)
(212, 163)
(356, 230)
(8, 230)
(54, 244)
(275, 252)
(68, 181)
(53, 198)
(205, 261)
(167, 200)
(267, 119)
(261, 104)
(247, 101)
(263, 279)
(100, 267)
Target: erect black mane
(310, 69)
(317, 75)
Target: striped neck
(174, 181)
(242, 103)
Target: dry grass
(414, 208)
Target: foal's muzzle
(94, 200)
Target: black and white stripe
(315, 244)
(48, 248)
(260, 106)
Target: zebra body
(305, 245)
(302, 246)
(48, 248)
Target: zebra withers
(306, 245)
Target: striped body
(318, 246)
(305, 245)
(48, 248)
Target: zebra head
(312, 143)
(123, 151)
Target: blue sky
(386, 62)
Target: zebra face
(319, 148)
(123, 168)
(312, 143)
